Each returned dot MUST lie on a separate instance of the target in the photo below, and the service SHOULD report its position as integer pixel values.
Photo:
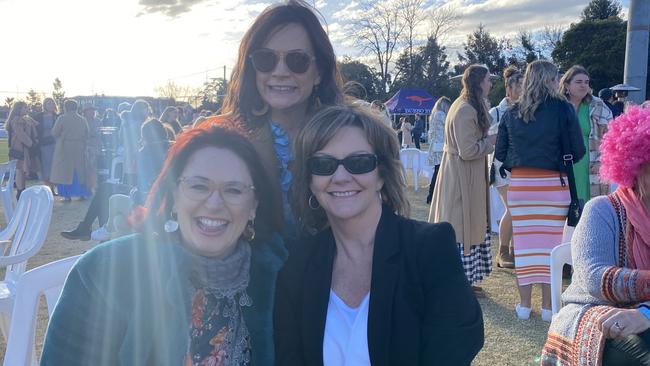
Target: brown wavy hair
(537, 88)
(320, 130)
(473, 94)
(243, 98)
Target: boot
(80, 233)
(505, 259)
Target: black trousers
(98, 208)
(629, 351)
(416, 138)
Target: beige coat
(71, 132)
(23, 135)
(461, 190)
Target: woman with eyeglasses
(593, 116)
(196, 285)
(372, 286)
(286, 70)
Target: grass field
(4, 150)
(508, 341)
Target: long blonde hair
(537, 88)
(473, 94)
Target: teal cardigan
(127, 302)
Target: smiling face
(282, 89)
(344, 195)
(212, 227)
(578, 87)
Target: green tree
(58, 94)
(34, 100)
(598, 45)
(601, 10)
(430, 72)
(358, 72)
(9, 102)
(482, 48)
(212, 94)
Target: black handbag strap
(567, 162)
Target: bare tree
(412, 14)
(443, 19)
(551, 37)
(378, 30)
(175, 91)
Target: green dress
(581, 168)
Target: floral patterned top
(211, 328)
(283, 150)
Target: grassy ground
(4, 149)
(508, 341)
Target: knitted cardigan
(601, 280)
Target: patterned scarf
(638, 228)
(218, 332)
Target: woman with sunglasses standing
(286, 69)
(372, 286)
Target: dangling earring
(312, 205)
(171, 225)
(249, 230)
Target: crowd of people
(278, 231)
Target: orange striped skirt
(538, 203)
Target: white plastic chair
(426, 170)
(25, 234)
(116, 178)
(45, 280)
(560, 255)
(411, 162)
(7, 193)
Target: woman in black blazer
(371, 287)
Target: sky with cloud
(128, 47)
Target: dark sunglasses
(354, 164)
(265, 60)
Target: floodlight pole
(636, 48)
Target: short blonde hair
(319, 131)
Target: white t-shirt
(346, 333)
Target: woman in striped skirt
(529, 144)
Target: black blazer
(422, 309)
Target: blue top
(128, 302)
(283, 150)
